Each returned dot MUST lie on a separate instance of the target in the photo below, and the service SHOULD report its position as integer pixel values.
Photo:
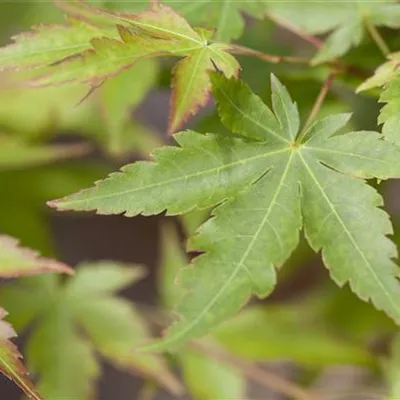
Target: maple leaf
(264, 185)
(85, 303)
(157, 31)
(387, 77)
(349, 20)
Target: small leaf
(10, 363)
(18, 261)
(349, 35)
(387, 76)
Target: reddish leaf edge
(21, 379)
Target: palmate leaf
(387, 77)
(157, 31)
(266, 182)
(79, 318)
(346, 19)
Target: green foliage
(103, 54)
(261, 186)
(259, 175)
(85, 302)
(349, 21)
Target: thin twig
(377, 38)
(317, 105)
(272, 58)
(255, 373)
(316, 42)
(337, 65)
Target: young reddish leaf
(18, 261)
(157, 31)
(191, 86)
(10, 360)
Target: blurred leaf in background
(57, 350)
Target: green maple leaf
(347, 19)
(87, 303)
(158, 31)
(267, 186)
(387, 77)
